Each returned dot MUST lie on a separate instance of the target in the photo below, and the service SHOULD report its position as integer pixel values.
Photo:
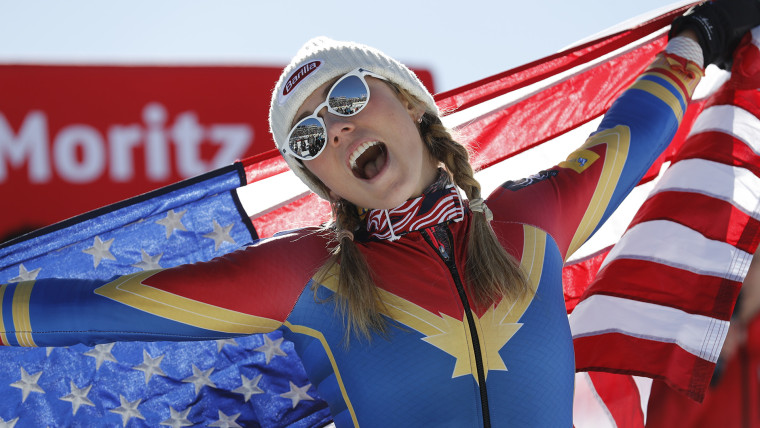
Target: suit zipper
(448, 259)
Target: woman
(430, 311)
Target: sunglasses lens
(348, 96)
(307, 138)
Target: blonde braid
(490, 270)
(357, 299)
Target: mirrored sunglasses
(347, 97)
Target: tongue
(375, 165)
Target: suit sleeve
(571, 200)
(248, 291)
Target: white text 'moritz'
(81, 153)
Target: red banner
(75, 138)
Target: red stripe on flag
(577, 276)
(653, 282)
(747, 65)
(599, 353)
(308, 211)
(547, 114)
(621, 396)
(725, 223)
(730, 95)
(720, 147)
(502, 83)
(263, 165)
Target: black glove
(719, 25)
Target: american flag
(703, 217)
(520, 119)
(248, 381)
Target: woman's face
(376, 158)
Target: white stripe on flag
(735, 185)
(731, 120)
(681, 247)
(697, 334)
(644, 384)
(589, 410)
(264, 196)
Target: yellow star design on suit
(495, 328)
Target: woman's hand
(718, 27)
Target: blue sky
(459, 40)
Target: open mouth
(368, 159)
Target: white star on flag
(78, 397)
(172, 222)
(297, 394)
(249, 387)
(178, 419)
(200, 378)
(128, 410)
(25, 275)
(101, 353)
(271, 348)
(148, 262)
(220, 234)
(100, 250)
(8, 424)
(221, 342)
(226, 421)
(150, 366)
(28, 383)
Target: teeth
(359, 150)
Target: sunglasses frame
(359, 72)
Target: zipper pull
(442, 250)
(438, 245)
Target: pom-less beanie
(319, 61)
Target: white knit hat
(320, 60)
